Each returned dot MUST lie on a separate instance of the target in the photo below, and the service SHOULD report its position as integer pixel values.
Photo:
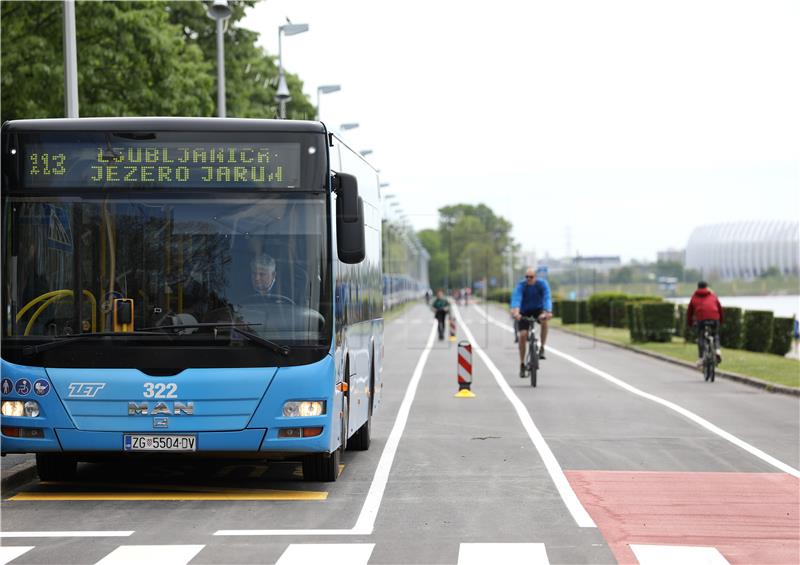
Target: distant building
(600, 263)
(745, 250)
(671, 256)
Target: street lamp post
(220, 11)
(282, 94)
(326, 89)
(70, 61)
(349, 125)
(365, 152)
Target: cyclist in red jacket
(705, 309)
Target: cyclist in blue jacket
(531, 298)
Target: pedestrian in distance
(441, 308)
(531, 299)
(705, 310)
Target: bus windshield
(196, 266)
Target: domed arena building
(744, 250)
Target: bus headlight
(18, 408)
(12, 408)
(295, 408)
(31, 409)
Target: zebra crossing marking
(10, 553)
(137, 554)
(481, 553)
(684, 554)
(329, 553)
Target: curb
(18, 475)
(752, 381)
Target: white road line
(10, 553)
(666, 403)
(67, 534)
(161, 554)
(482, 553)
(683, 554)
(369, 511)
(579, 513)
(328, 553)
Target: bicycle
(532, 355)
(709, 354)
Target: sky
(599, 128)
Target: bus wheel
(55, 467)
(361, 439)
(322, 467)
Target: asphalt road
(613, 457)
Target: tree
(143, 58)
(469, 245)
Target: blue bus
(188, 287)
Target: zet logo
(85, 390)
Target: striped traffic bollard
(464, 370)
(452, 328)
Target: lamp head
(219, 10)
(293, 29)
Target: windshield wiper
(255, 338)
(66, 340)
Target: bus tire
(363, 436)
(361, 439)
(322, 467)
(55, 467)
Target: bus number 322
(160, 390)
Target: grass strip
(763, 366)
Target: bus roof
(164, 124)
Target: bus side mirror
(349, 220)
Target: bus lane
(188, 503)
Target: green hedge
(574, 311)
(782, 334)
(617, 307)
(680, 321)
(658, 320)
(633, 319)
(731, 333)
(758, 330)
(499, 295)
(556, 308)
(600, 311)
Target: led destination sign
(161, 164)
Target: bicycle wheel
(533, 361)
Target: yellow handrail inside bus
(48, 298)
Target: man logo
(160, 408)
(85, 390)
